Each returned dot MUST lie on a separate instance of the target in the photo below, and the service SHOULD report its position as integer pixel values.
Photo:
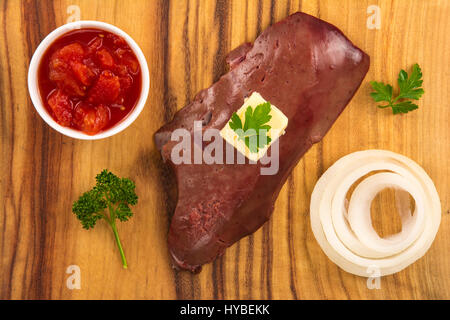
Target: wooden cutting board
(185, 42)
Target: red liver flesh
(309, 70)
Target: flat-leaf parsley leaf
(255, 128)
(409, 88)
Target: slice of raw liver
(310, 71)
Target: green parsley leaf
(409, 88)
(255, 128)
(404, 107)
(236, 122)
(383, 92)
(112, 193)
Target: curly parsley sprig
(409, 88)
(112, 193)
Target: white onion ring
(348, 238)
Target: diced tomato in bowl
(91, 120)
(105, 58)
(61, 106)
(82, 80)
(106, 89)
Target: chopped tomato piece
(126, 82)
(91, 120)
(105, 58)
(106, 89)
(121, 70)
(67, 71)
(91, 64)
(95, 44)
(127, 58)
(131, 63)
(61, 107)
(83, 73)
(60, 73)
(71, 52)
(117, 41)
(119, 53)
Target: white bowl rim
(33, 87)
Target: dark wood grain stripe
(221, 17)
(7, 153)
(44, 148)
(236, 271)
(170, 103)
(288, 7)
(292, 260)
(246, 20)
(40, 218)
(187, 54)
(267, 260)
(220, 67)
(218, 278)
(184, 286)
(272, 11)
(249, 268)
(259, 20)
(6, 129)
(51, 148)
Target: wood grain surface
(185, 43)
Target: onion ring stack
(344, 229)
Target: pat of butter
(277, 123)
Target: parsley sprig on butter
(255, 128)
(410, 88)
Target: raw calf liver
(310, 71)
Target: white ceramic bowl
(33, 86)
